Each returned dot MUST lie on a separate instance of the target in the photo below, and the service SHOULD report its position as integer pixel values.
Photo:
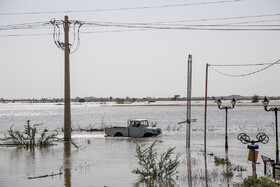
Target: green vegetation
(239, 168)
(258, 182)
(229, 173)
(81, 100)
(153, 169)
(255, 99)
(28, 138)
(120, 101)
(221, 161)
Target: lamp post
(275, 110)
(219, 103)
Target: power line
(240, 24)
(224, 18)
(247, 74)
(34, 25)
(228, 24)
(122, 9)
(145, 29)
(185, 27)
(11, 35)
(236, 65)
(37, 25)
(129, 27)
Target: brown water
(104, 161)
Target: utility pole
(67, 107)
(68, 49)
(189, 98)
(205, 107)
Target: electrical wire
(76, 34)
(32, 34)
(128, 27)
(224, 18)
(239, 24)
(123, 9)
(247, 74)
(232, 65)
(194, 27)
(34, 25)
(37, 25)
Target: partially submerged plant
(221, 161)
(230, 169)
(239, 168)
(154, 169)
(28, 138)
(258, 182)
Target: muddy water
(104, 161)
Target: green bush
(255, 99)
(258, 182)
(120, 101)
(28, 138)
(221, 161)
(154, 169)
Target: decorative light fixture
(219, 103)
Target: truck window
(135, 123)
(144, 123)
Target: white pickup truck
(136, 128)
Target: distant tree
(120, 101)
(175, 97)
(255, 99)
(81, 100)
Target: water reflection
(206, 171)
(189, 165)
(227, 167)
(67, 164)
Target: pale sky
(139, 63)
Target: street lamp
(275, 110)
(219, 103)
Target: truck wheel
(148, 135)
(118, 134)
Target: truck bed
(116, 131)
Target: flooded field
(104, 161)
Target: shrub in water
(28, 137)
(258, 182)
(152, 168)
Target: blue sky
(138, 63)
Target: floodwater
(104, 161)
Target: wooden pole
(67, 107)
(205, 107)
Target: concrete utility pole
(189, 98)
(67, 107)
(205, 107)
(68, 49)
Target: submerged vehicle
(136, 128)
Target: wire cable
(232, 65)
(180, 27)
(122, 9)
(224, 18)
(243, 75)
